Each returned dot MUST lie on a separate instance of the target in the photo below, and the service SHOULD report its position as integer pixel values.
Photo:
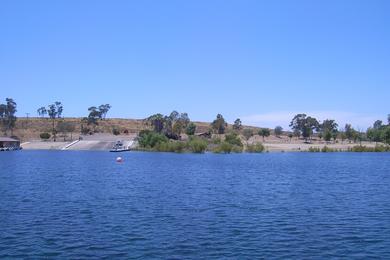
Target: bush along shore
(356, 149)
(151, 141)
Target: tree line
(172, 126)
(7, 116)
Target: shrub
(115, 131)
(197, 145)
(45, 136)
(361, 148)
(216, 140)
(314, 149)
(233, 139)
(224, 147)
(149, 139)
(326, 149)
(255, 148)
(172, 146)
(191, 128)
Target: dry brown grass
(30, 129)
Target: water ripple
(83, 205)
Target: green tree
(93, 117)
(7, 115)
(374, 135)
(328, 129)
(103, 109)
(191, 129)
(237, 124)
(278, 131)
(247, 133)
(157, 122)
(350, 133)
(42, 111)
(174, 124)
(343, 136)
(55, 111)
(219, 124)
(264, 132)
(378, 124)
(327, 135)
(305, 125)
(386, 135)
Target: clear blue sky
(258, 60)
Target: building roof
(7, 139)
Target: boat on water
(119, 147)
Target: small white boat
(119, 147)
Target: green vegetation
(197, 145)
(233, 139)
(304, 125)
(7, 116)
(255, 148)
(171, 126)
(237, 124)
(377, 148)
(115, 131)
(45, 136)
(278, 131)
(42, 111)
(379, 132)
(219, 125)
(171, 146)
(216, 140)
(357, 148)
(247, 133)
(264, 132)
(224, 147)
(191, 129)
(55, 111)
(232, 143)
(150, 139)
(324, 149)
(164, 132)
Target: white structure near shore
(7, 144)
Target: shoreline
(105, 146)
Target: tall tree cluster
(7, 115)
(219, 124)
(171, 125)
(304, 125)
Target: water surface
(185, 206)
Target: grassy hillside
(31, 128)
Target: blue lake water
(185, 206)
